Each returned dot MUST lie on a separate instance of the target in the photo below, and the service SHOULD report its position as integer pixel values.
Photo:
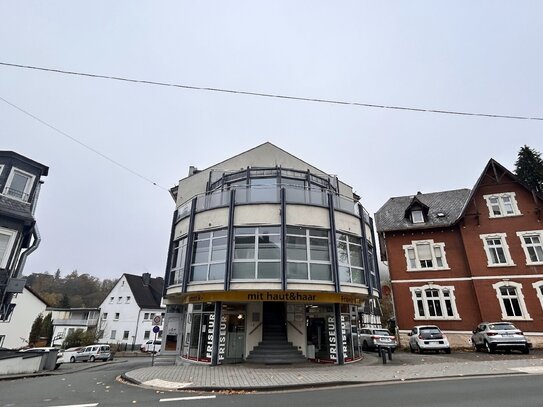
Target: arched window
(511, 300)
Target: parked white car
(428, 337)
(68, 355)
(93, 352)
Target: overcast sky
(100, 219)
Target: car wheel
(526, 350)
(57, 366)
(477, 347)
(92, 359)
(365, 346)
(72, 359)
(411, 349)
(419, 349)
(489, 348)
(448, 351)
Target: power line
(271, 95)
(118, 164)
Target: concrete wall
(20, 365)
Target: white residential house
(15, 330)
(127, 312)
(68, 320)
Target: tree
(529, 168)
(65, 301)
(35, 330)
(46, 330)
(79, 337)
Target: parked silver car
(93, 352)
(373, 338)
(428, 337)
(499, 335)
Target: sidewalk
(403, 367)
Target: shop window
(209, 256)
(511, 300)
(199, 332)
(502, 205)
(425, 255)
(351, 266)
(257, 253)
(497, 250)
(308, 254)
(179, 255)
(434, 302)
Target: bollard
(383, 354)
(389, 350)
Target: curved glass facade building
(271, 261)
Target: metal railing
(15, 193)
(77, 322)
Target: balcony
(76, 322)
(269, 194)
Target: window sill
(437, 318)
(428, 269)
(506, 318)
(515, 215)
(501, 265)
(539, 263)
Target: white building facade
(68, 320)
(15, 330)
(127, 313)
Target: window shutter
(424, 252)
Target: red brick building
(457, 258)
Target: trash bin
(51, 360)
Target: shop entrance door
(274, 321)
(235, 338)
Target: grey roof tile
(392, 217)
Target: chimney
(146, 278)
(193, 170)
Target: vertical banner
(332, 343)
(210, 326)
(222, 338)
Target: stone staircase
(274, 349)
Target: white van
(151, 346)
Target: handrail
(255, 328)
(292, 325)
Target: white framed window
(7, 240)
(126, 334)
(351, 265)
(128, 299)
(209, 256)
(532, 243)
(146, 335)
(104, 316)
(119, 300)
(502, 205)
(19, 184)
(497, 250)
(1, 168)
(146, 316)
(179, 255)
(425, 255)
(308, 254)
(511, 300)
(2, 337)
(257, 253)
(538, 286)
(117, 315)
(113, 334)
(434, 302)
(417, 216)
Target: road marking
(188, 398)
(78, 405)
(528, 369)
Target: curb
(313, 385)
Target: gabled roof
(498, 172)
(146, 296)
(444, 209)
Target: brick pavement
(403, 367)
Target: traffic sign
(157, 320)
(156, 329)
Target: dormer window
(502, 205)
(19, 184)
(417, 216)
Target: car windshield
(381, 332)
(430, 332)
(501, 327)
